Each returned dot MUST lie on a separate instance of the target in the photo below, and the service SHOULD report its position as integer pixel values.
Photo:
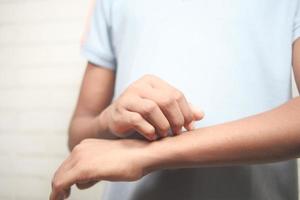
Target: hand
(151, 107)
(94, 160)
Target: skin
(149, 106)
(267, 137)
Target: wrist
(102, 130)
(158, 155)
(173, 152)
(102, 122)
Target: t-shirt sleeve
(97, 43)
(296, 32)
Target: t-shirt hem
(97, 59)
(296, 34)
(296, 37)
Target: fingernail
(164, 134)
(202, 113)
(199, 111)
(153, 137)
(177, 131)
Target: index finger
(183, 104)
(62, 183)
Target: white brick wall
(40, 72)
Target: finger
(62, 184)
(179, 96)
(65, 167)
(168, 90)
(59, 195)
(85, 185)
(67, 193)
(184, 107)
(198, 114)
(152, 113)
(54, 196)
(168, 106)
(67, 164)
(138, 123)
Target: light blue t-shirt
(231, 58)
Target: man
(230, 58)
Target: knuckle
(135, 119)
(178, 95)
(119, 105)
(77, 149)
(166, 101)
(56, 184)
(164, 128)
(147, 77)
(148, 108)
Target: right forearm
(83, 127)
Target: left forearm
(267, 137)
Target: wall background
(40, 73)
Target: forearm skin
(267, 137)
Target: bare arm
(296, 62)
(95, 95)
(267, 137)
(149, 106)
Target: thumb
(198, 114)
